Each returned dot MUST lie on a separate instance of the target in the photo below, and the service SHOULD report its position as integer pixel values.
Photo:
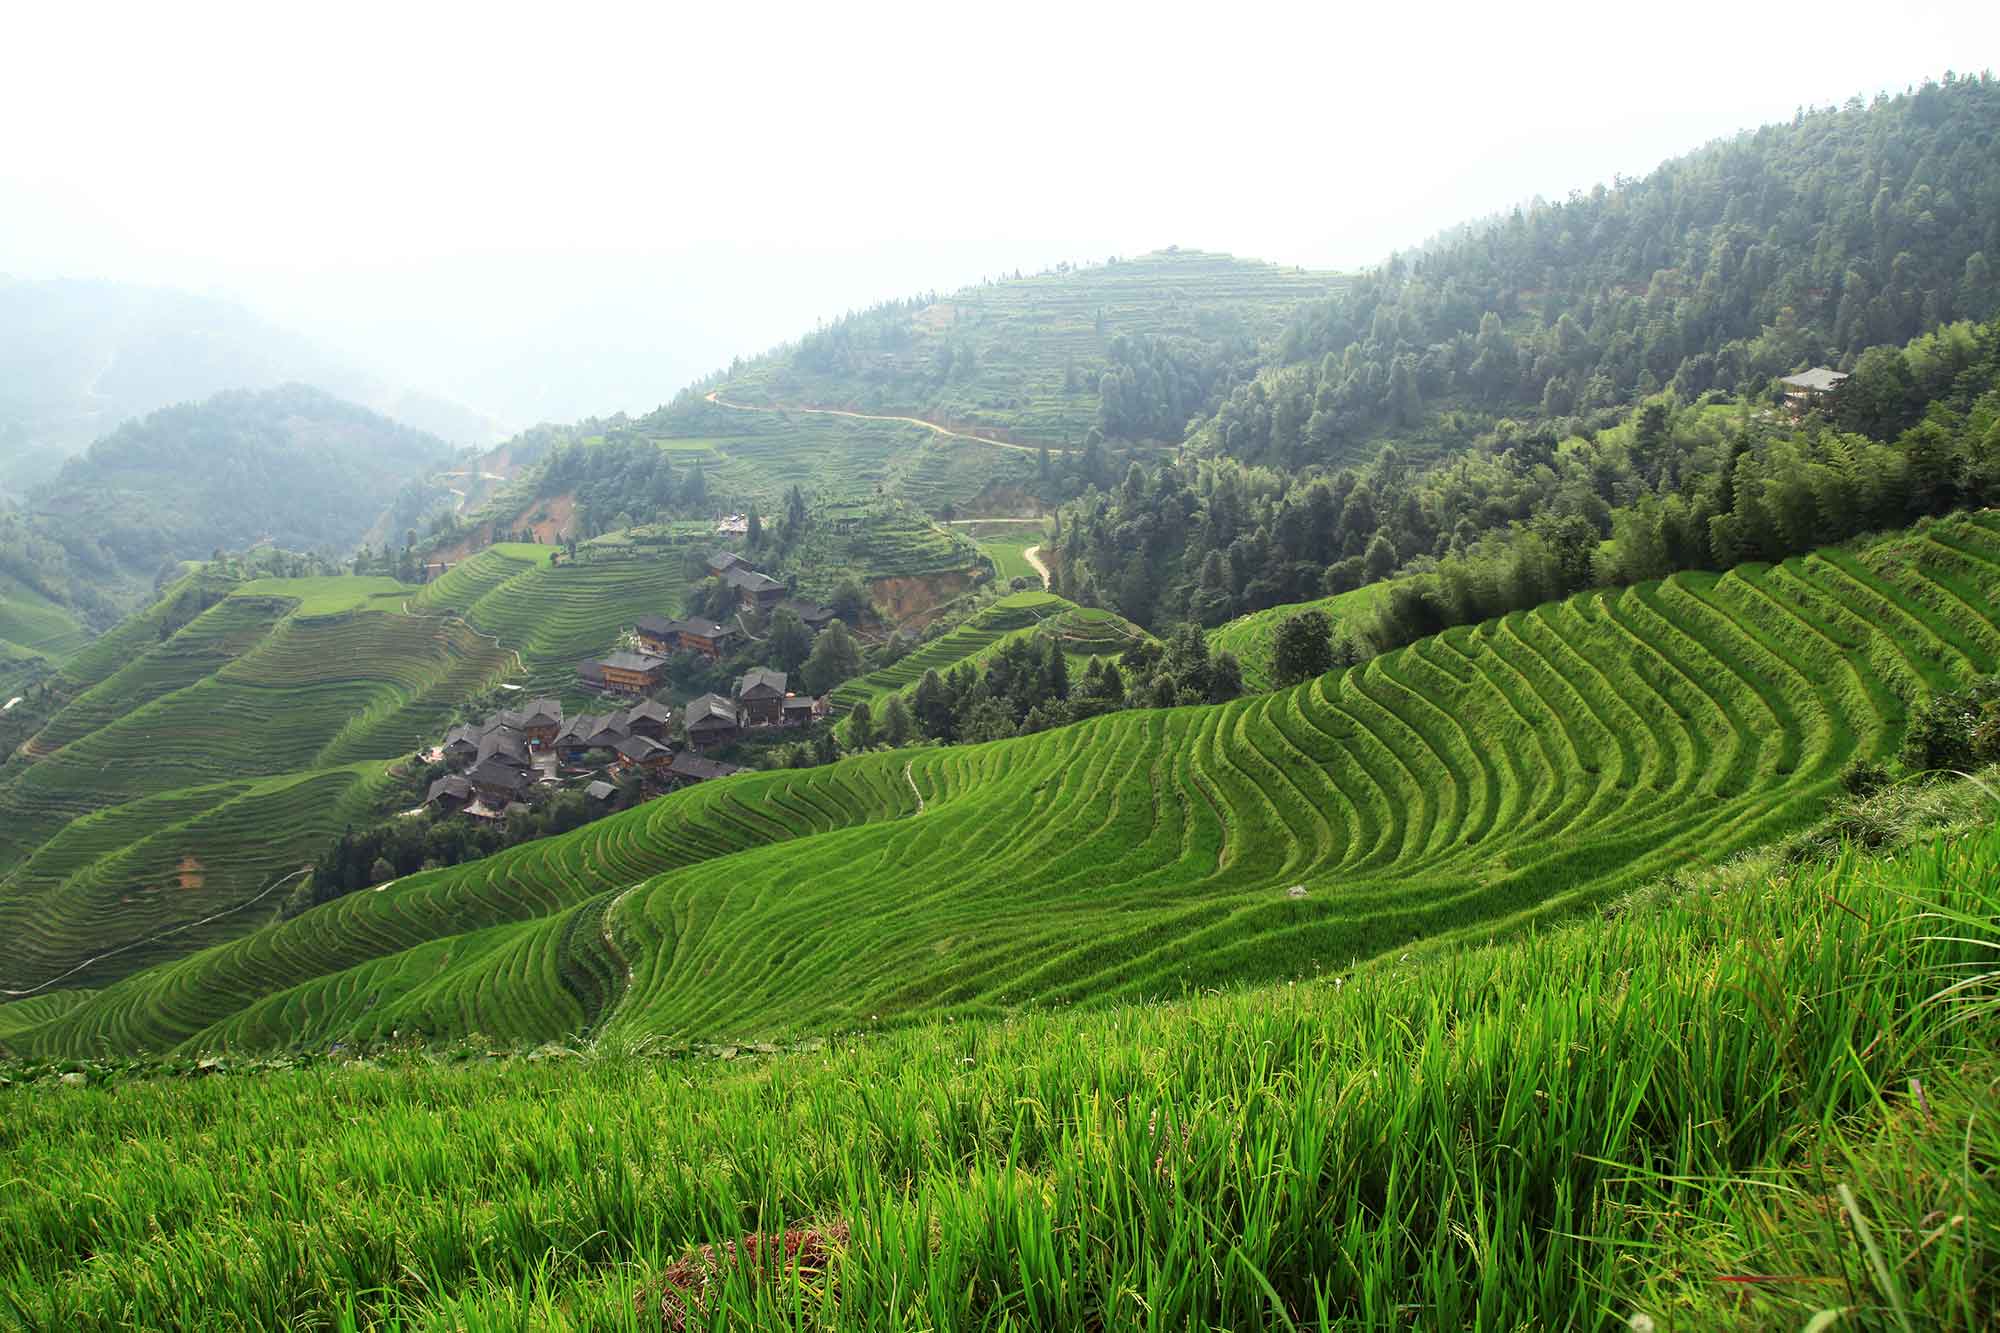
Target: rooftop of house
(658, 627)
(701, 627)
(627, 661)
(600, 790)
(542, 712)
(749, 580)
(721, 560)
(451, 785)
(1818, 379)
(806, 609)
(704, 769)
(640, 747)
(799, 703)
(711, 707)
(504, 745)
(590, 670)
(494, 773)
(647, 711)
(761, 680)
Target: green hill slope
(1485, 1129)
(211, 745)
(1024, 358)
(291, 466)
(1459, 788)
(1250, 636)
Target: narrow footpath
(946, 432)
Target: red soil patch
(685, 1286)
(904, 596)
(190, 873)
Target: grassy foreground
(1751, 1099)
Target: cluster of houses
(499, 761)
(644, 669)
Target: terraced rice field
(1011, 614)
(1464, 787)
(35, 625)
(1250, 636)
(177, 783)
(1040, 342)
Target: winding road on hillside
(1033, 555)
(714, 397)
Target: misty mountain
(80, 358)
(291, 466)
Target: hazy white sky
(566, 208)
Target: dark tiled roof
(494, 773)
(798, 703)
(543, 712)
(711, 707)
(504, 745)
(749, 580)
(811, 612)
(591, 670)
(701, 770)
(702, 628)
(647, 711)
(634, 662)
(723, 560)
(640, 747)
(761, 678)
(658, 627)
(451, 785)
(600, 791)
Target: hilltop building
(1811, 388)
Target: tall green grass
(1754, 1098)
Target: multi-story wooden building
(760, 696)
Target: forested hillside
(1527, 513)
(291, 466)
(79, 359)
(1783, 247)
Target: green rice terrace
(757, 456)
(1250, 636)
(204, 750)
(1021, 357)
(1486, 780)
(1084, 632)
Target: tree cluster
(1756, 256)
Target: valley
(1172, 792)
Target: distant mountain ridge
(292, 466)
(79, 358)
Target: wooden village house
(644, 754)
(710, 720)
(634, 673)
(760, 696)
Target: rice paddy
(1040, 342)
(1250, 636)
(1470, 786)
(1640, 1121)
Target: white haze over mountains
(546, 212)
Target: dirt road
(719, 401)
(1033, 555)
